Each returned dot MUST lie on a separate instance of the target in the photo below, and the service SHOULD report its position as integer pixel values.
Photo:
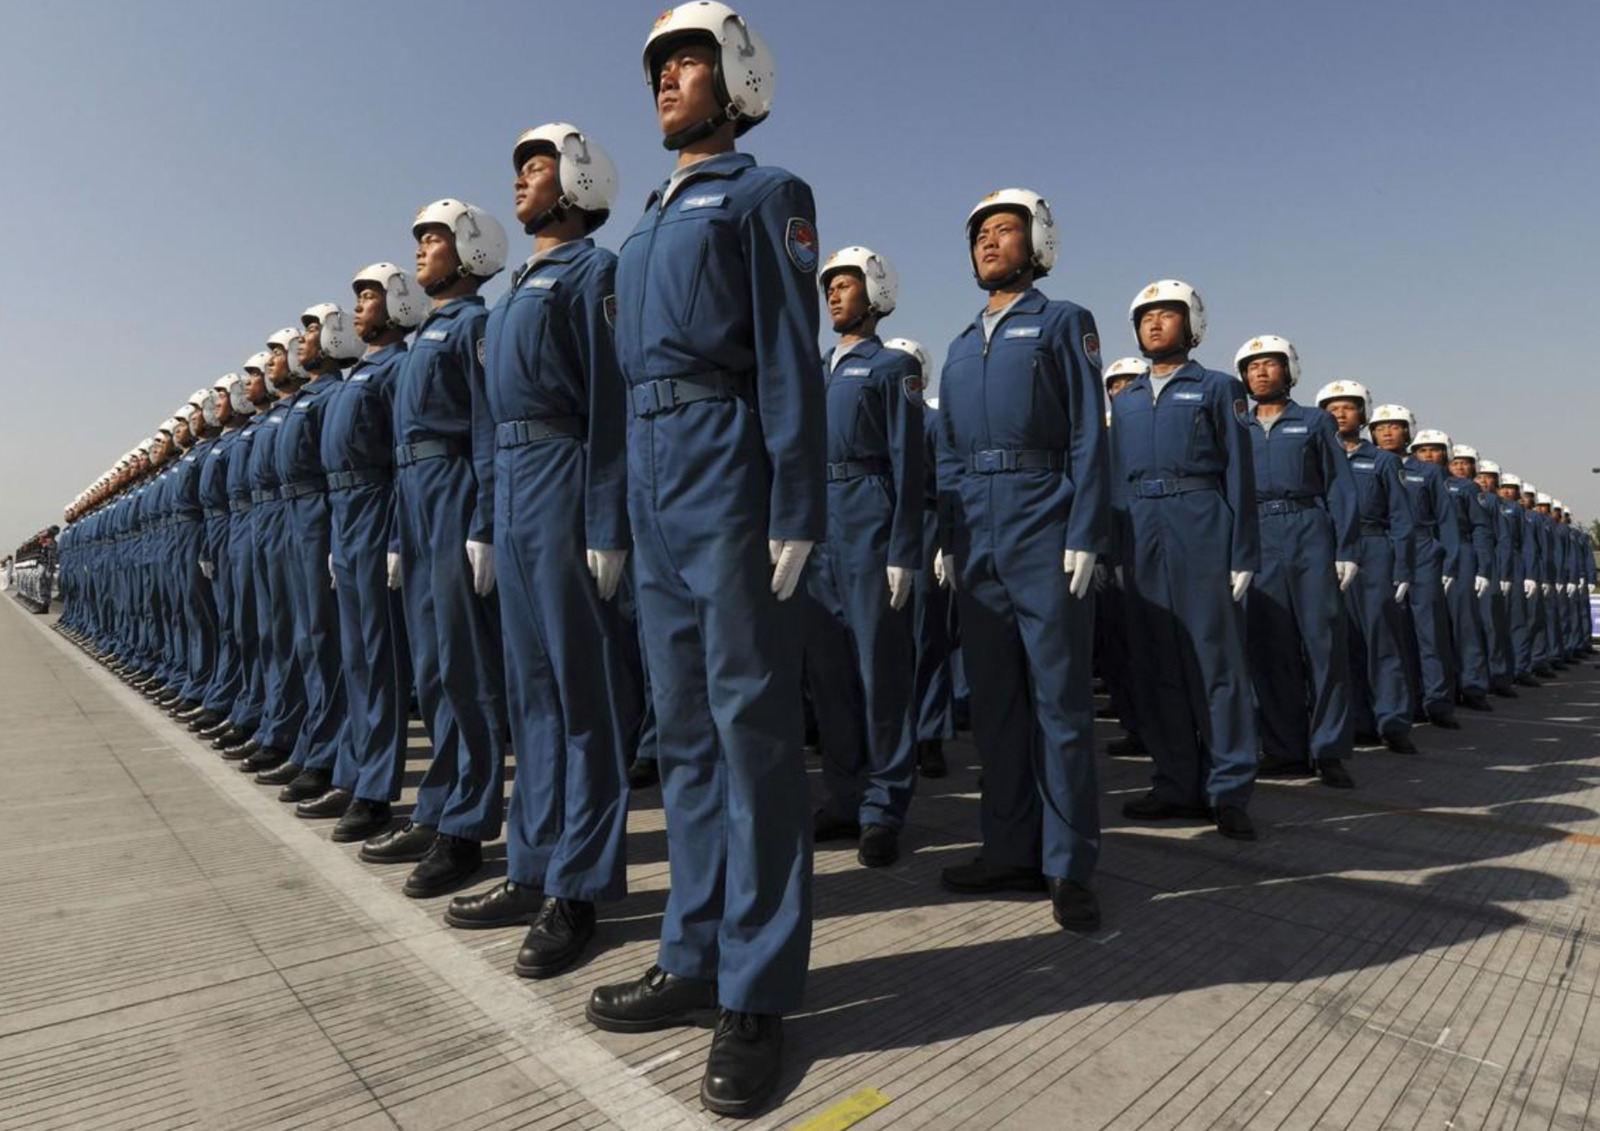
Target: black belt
(216, 512)
(856, 469)
(268, 496)
(1374, 528)
(185, 519)
(301, 489)
(239, 506)
(521, 433)
(999, 461)
(407, 454)
(1430, 527)
(656, 397)
(1182, 485)
(345, 480)
(1285, 506)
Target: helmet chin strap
(556, 211)
(687, 136)
(856, 323)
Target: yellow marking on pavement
(846, 1113)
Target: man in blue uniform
(357, 456)
(1466, 573)
(727, 452)
(1430, 658)
(251, 398)
(1310, 533)
(1496, 603)
(1110, 610)
(444, 498)
(195, 609)
(859, 580)
(1554, 555)
(1189, 545)
(1536, 554)
(1023, 517)
(1380, 695)
(226, 681)
(559, 409)
(1520, 599)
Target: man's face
(1463, 468)
(686, 87)
(1267, 376)
(278, 369)
(1347, 414)
(180, 433)
(1161, 328)
(1391, 435)
(255, 389)
(1542, 508)
(1511, 494)
(224, 408)
(437, 261)
(1527, 502)
(1432, 453)
(1000, 247)
(197, 423)
(847, 298)
(1490, 483)
(310, 346)
(537, 187)
(371, 314)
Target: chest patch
(1410, 478)
(704, 200)
(1021, 332)
(1293, 429)
(1362, 464)
(1189, 398)
(360, 378)
(434, 335)
(855, 371)
(541, 282)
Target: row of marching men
(475, 516)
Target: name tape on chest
(1189, 398)
(1363, 464)
(704, 200)
(1293, 429)
(434, 336)
(542, 282)
(1021, 332)
(855, 371)
(360, 378)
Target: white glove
(788, 562)
(1529, 588)
(899, 587)
(1547, 589)
(1078, 565)
(333, 578)
(1571, 589)
(1117, 577)
(481, 557)
(1480, 585)
(1505, 588)
(1448, 581)
(208, 570)
(394, 571)
(605, 566)
(1346, 572)
(944, 570)
(1241, 582)
(1400, 592)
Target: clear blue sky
(1405, 189)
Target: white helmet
(882, 280)
(480, 240)
(1510, 479)
(1464, 451)
(1540, 499)
(1431, 437)
(1393, 414)
(337, 338)
(744, 75)
(1529, 488)
(403, 297)
(289, 339)
(235, 386)
(1125, 367)
(257, 361)
(1266, 344)
(585, 173)
(1555, 504)
(1172, 290)
(205, 400)
(1345, 390)
(927, 388)
(1044, 238)
(1488, 467)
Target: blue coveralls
(1022, 479)
(241, 566)
(227, 675)
(1294, 614)
(315, 608)
(1430, 658)
(934, 693)
(1474, 558)
(195, 605)
(1493, 606)
(1558, 570)
(864, 673)
(444, 495)
(559, 410)
(1186, 518)
(283, 685)
(727, 448)
(358, 461)
(1533, 553)
(1381, 696)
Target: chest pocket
(696, 236)
(855, 412)
(1184, 430)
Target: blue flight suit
(727, 449)
(1533, 607)
(315, 607)
(1381, 698)
(1022, 479)
(1430, 657)
(227, 675)
(241, 566)
(1186, 518)
(559, 410)
(283, 684)
(1494, 606)
(444, 495)
(1560, 574)
(875, 500)
(933, 610)
(1474, 559)
(357, 455)
(1294, 613)
(195, 608)
(1516, 602)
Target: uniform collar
(1190, 370)
(865, 348)
(378, 357)
(452, 308)
(722, 165)
(1292, 410)
(1364, 448)
(1031, 301)
(561, 253)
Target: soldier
(1472, 672)
(1493, 605)
(1110, 609)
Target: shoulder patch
(800, 240)
(912, 386)
(1091, 346)
(610, 308)
(1241, 409)
(482, 342)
